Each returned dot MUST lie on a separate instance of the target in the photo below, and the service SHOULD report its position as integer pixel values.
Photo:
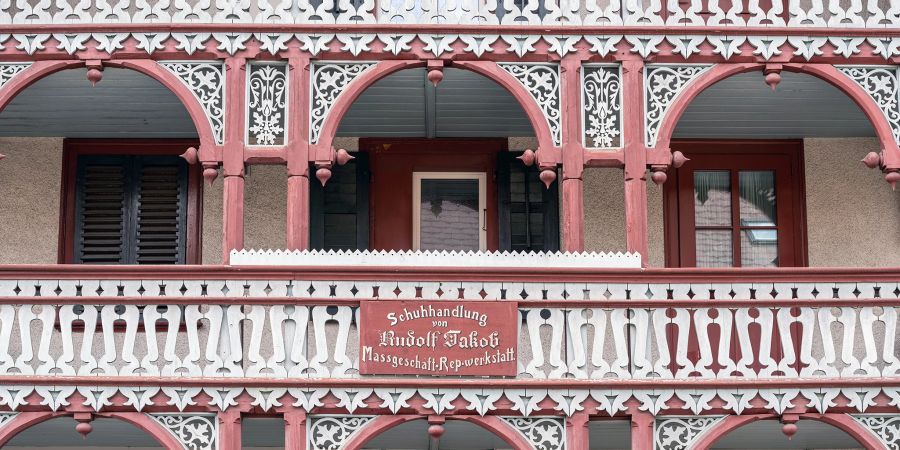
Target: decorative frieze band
(328, 81)
(542, 83)
(206, 80)
(662, 85)
(883, 85)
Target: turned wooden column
(572, 184)
(298, 153)
(233, 157)
(636, 229)
(641, 430)
(577, 433)
(230, 430)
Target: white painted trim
(482, 202)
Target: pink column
(230, 430)
(233, 157)
(572, 156)
(641, 430)
(295, 429)
(298, 154)
(636, 231)
(577, 431)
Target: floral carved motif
(328, 82)
(7, 71)
(601, 88)
(885, 428)
(542, 83)
(662, 85)
(267, 104)
(680, 433)
(544, 433)
(194, 431)
(332, 432)
(883, 85)
(206, 80)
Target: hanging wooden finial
(323, 173)
(84, 426)
(548, 176)
(210, 172)
(773, 74)
(95, 71)
(191, 156)
(342, 157)
(435, 71)
(527, 157)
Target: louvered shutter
(160, 210)
(130, 210)
(339, 212)
(528, 211)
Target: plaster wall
(853, 217)
(30, 177)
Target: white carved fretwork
(9, 70)
(885, 427)
(544, 433)
(6, 417)
(542, 83)
(206, 80)
(662, 84)
(267, 91)
(328, 82)
(331, 432)
(601, 88)
(194, 431)
(883, 85)
(680, 433)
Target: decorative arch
(826, 72)
(488, 69)
(842, 422)
(26, 420)
(40, 69)
(490, 423)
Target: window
(736, 204)
(441, 194)
(129, 203)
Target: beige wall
(853, 217)
(29, 200)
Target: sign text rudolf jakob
(438, 338)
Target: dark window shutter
(339, 212)
(130, 210)
(161, 210)
(100, 212)
(528, 212)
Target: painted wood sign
(438, 338)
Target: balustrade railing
(694, 13)
(626, 325)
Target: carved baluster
(551, 353)
(333, 361)
(644, 334)
(703, 318)
(638, 14)
(851, 364)
(111, 13)
(809, 16)
(867, 364)
(72, 11)
(766, 17)
(192, 11)
(42, 323)
(603, 12)
(257, 363)
(152, 11)
(577, 337)
(845, 16)
(789, 359)
(7, 323)
(679, 16)
(154, 318)
(721, 17)
(527, 14)
(33, 12)
(235, 11)
(66, 362)
(274, 11)
(293, 333)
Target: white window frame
(482, 202)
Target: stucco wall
(29, 200)
(853, 217)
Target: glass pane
(449, 215)
(714, 248)
(712, 198)
(759, 248)
(757, 198)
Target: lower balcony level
(379, 356)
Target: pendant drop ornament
(527, 157)
(548, 176)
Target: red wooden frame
(73, 148)
(392, 162)
(733, 154)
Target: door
(449, 211)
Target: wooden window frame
(678, 250)
(419, 177)
(73, 148)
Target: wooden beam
(636, 229)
